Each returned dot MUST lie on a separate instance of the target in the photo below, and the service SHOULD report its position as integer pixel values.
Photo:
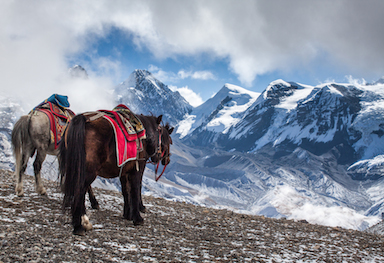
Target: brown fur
(90, 151)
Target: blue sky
(192, 46)
(203, 73)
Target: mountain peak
(220, 112)
(142, 72)
(239, 90)
(145, 94)
(379, 81)
(78, 71)
(279, 82)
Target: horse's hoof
(85, 223)
(79, 231)
(95, 206)
(138, 222)
(19, 190)
(67, 203)
(43, 192)
(128, 217)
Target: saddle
(128, 129)
(55, 107)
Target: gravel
(34, 228)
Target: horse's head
(163, 143)
(158, 141)
(166, 141)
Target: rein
(157, 167)
(159, 152)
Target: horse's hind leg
(80, 220)
(78, 213)
(21, 166)
(40, 157)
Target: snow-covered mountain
(290, 115)
(297, 148)
(145, 94)
(217, 114)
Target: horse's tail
(20, 135)
(72, 159)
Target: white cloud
(263, 36)
(355, 81)
(193, 98)
(169, 76)
(37, 38)
(163, 76)
(202, 75)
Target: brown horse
(89, 150)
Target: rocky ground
(34, 228)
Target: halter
(161, 154)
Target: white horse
(31, 134)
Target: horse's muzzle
(166, 160)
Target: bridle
(161, 156)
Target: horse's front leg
(125, 190)
(92, 199)
(142, 208)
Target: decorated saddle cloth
(55, 107)
(129, 132)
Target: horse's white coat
(35, 140)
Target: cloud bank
(38, 38)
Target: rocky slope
(35, 229)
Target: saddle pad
(58, 120)
(127, 148)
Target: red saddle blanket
(58, 120)
(129, 132)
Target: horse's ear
(159, 119)
(171, 130)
